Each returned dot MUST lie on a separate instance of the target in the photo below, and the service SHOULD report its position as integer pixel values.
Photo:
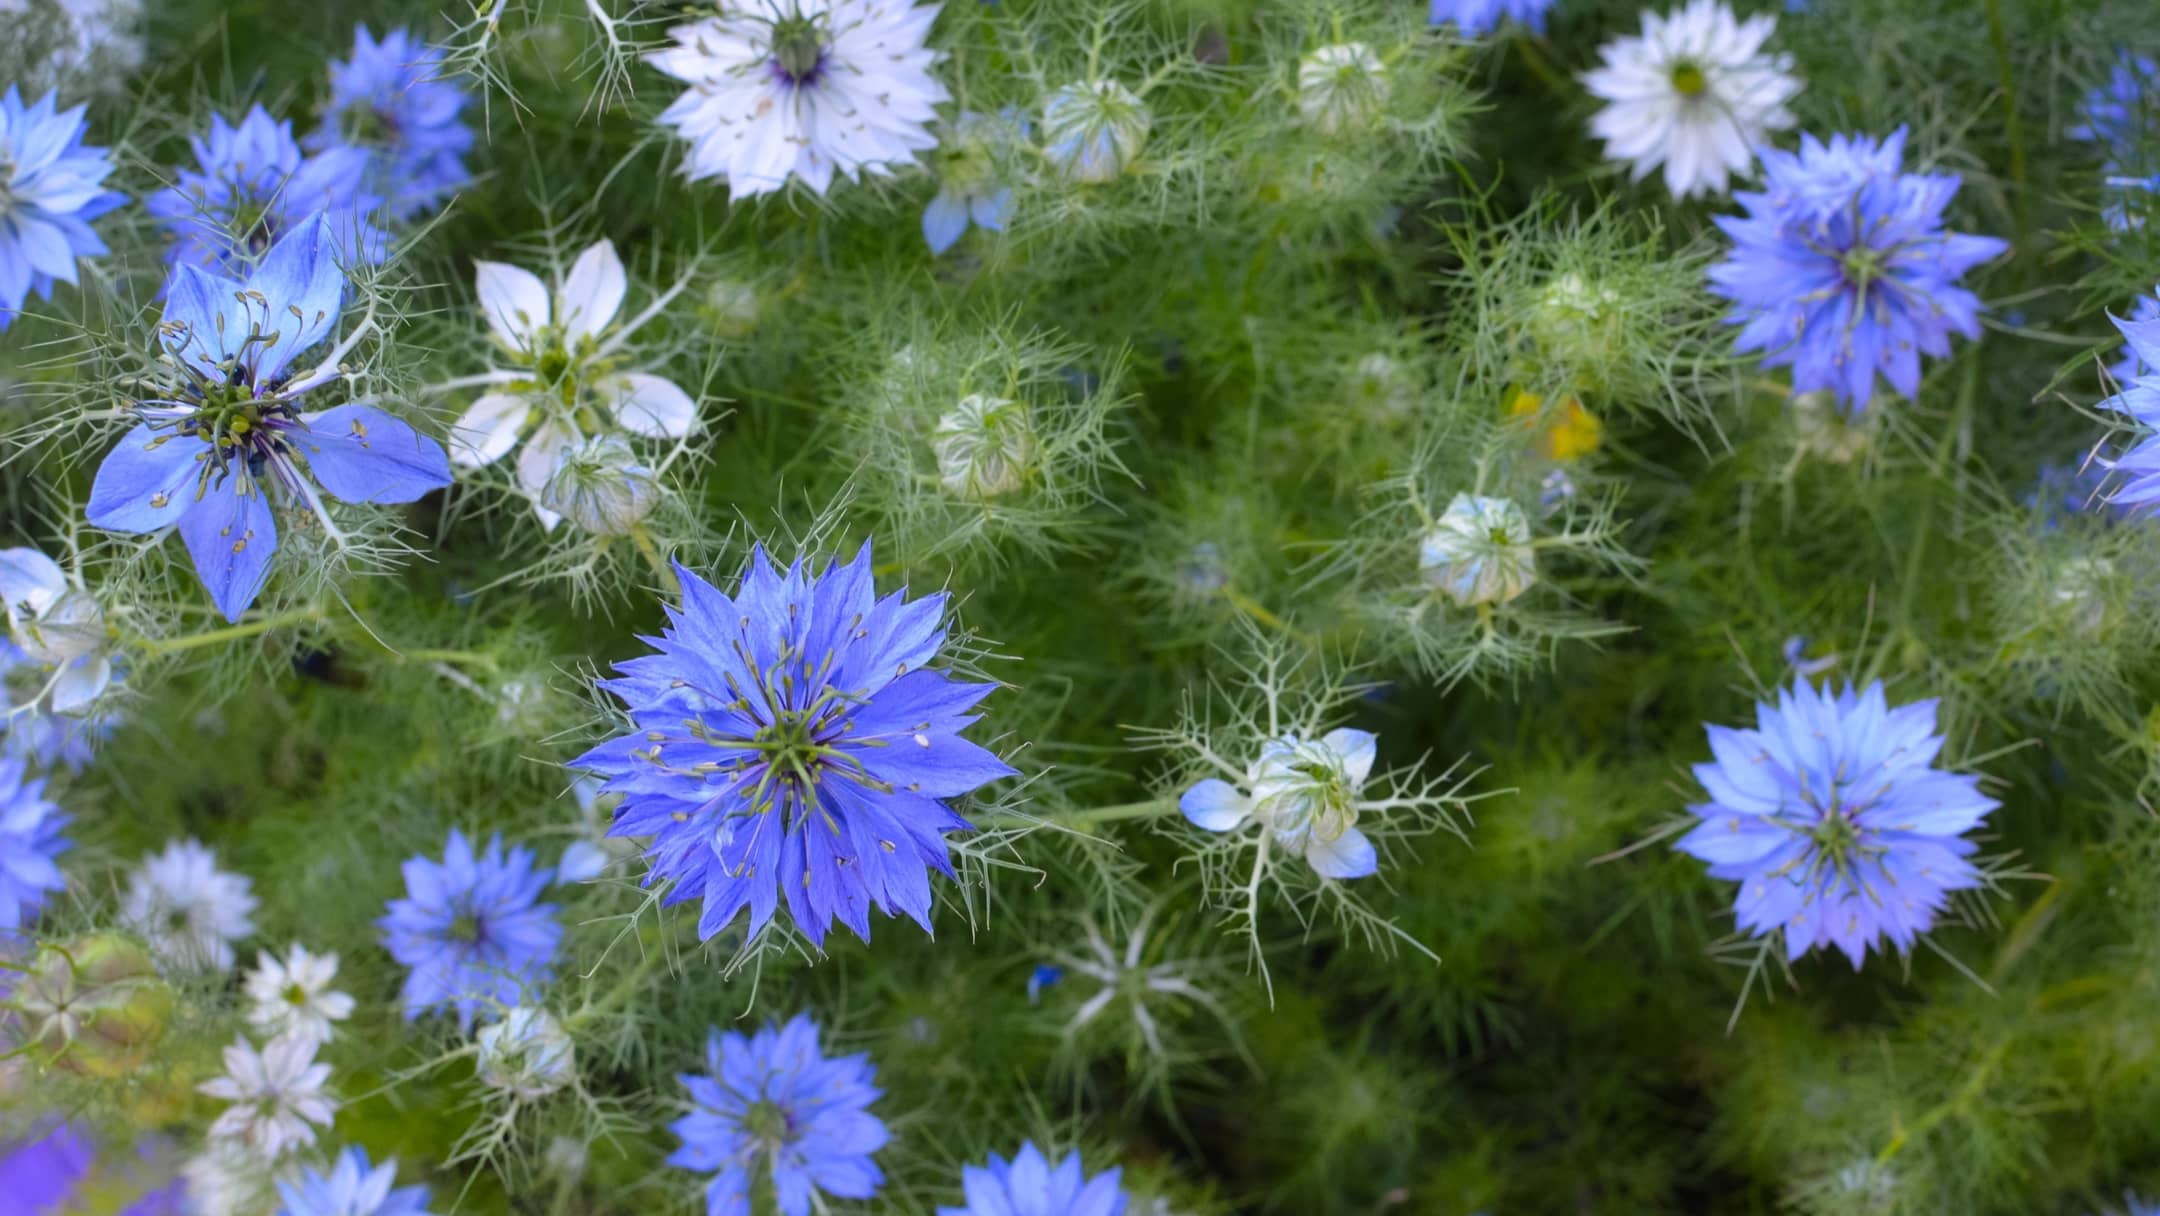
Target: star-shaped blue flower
(793, 740)
(253, 187)
(392, 103)
(227, 441)
(51, 187)
(472, 929)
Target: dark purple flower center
(467, 928)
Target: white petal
(593, 292)
(1356, 749)
(651, 406)
(29, 577)
(514, 301)
(488, 429)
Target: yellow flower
(1571, 436)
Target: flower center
(798, 48)
(1688, 79)
(1862, 265)
(368, 126)
(252, 220)
(466, 927)
(1836, 837)
(295, 995)
(768, 1126)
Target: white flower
(1385, 389)
(600, 486)
(292, 995)
(276, 1094)
(1342, 88)
(1305, 791)
(58, 625)
(226, 1180)
(1093, 132)
(564, 385)
(189, 911)
(1480, 551)
(1695, 93)
(527, 1054)
(2082, 594)
(984, 448)
(802, 89)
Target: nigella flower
(1030, 1184)
(968, 188)
(1476, 17)
(58, 627)
(526, 1054)
(773, 1101)
(353, 1187)
(2139, 466)
(187, 909)
(227, 437)
(795, 739)
(292, 995)
(2117, 113)
(40, 1172)
(1304, 792)
(1479, 551)
(252, 188)
(985, 447)
(565, 382)
(51, 187)
(471, 929)
(1842, 269)
(600, 486)
(30, 843)
(1694, 92)
(392, 103)
(1093, 132)
(276, 1095)
(1833, 820)
(802, 89)
(2128, 366)
(1342, 88)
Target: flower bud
(1576, 318)
(96, 1006)
(527, 1054)
(1093, 132)
(600, 486)
(1822, 429)
(1342, 88)
(984, 448)
(1479, 552)
(734, 306)
(2081, 595)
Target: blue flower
(967, 186)
(2140, 399)
(1842, 269)
(470, 929)
(2114, 114)
(228, 436)
(353, 1187)
(51, 187)
(29, 842)
(253, 188)
(392, 103)
(774, 1101)
(794, 739)
(40, 1172)
(1477, 17)
(1833, 821)
(1030, 1184)
(2128, 366)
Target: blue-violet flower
(51, 186)
(392, 101)
(471, 929)
(1029, 1184)
(252, 187)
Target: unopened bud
(1093, 132)
(1479, 552)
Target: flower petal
(488, 429)
(147, 482)
(651, 406)
(1216, 805)
(361, 454)
(514, 301)
(593, 293)
(231, 535)
(1349, 855)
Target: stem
(643, 540)
(263, 624)
(616, 995)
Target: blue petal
(944, 221)
(231, 534)
(361, 454)
(147, 481)
(301, 280)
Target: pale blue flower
(252, 187)
(353, 1187)
(1477, 17)
(51, 186)
(393, 102)
(1029, 1185)
(472, 929)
